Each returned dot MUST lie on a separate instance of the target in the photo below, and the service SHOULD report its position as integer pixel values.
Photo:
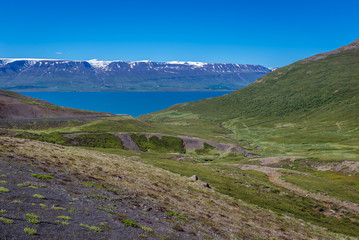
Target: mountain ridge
(350, 46)
(96, 75)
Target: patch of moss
(4, 190)
(30, 231)
(58, 208)
(38, 196)
(177, 215)
(62, 222)
(64, 217)
(147, 229)
(5, 220)
(42, 176)
(130, 223)
(92, 228)
(32, 218)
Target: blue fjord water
(132, 103)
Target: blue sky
(270, 33)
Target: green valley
(278, 159)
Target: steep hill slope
(14, 106)
(60, 75)
(323, 87)
(308, 108)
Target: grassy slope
(305, 108)
(210, 214)
(252, 187)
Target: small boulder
(194, 177)
(204, 184)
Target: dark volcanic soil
(83, 199)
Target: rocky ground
(65, 206)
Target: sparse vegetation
(130, 223)
(58, 208)
(95, 185)
(32, 218)
(98, 196)
(106, 210)
(4, 190)
(39, 196)
(153, 180)
(64, 217)
(23, 185)
(62, 222)
(42, 176)
(43, 205)
(30, 231)
(147, 229)
(6, 220)
(177, 215)
(92, 228)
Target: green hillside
(312, 101)
(302, 88)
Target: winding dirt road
(275, 177)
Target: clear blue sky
(270, 33)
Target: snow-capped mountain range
(96, 75)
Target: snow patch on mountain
(196, 64)
(98, 64)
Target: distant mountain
(94, 75)
(17, 106)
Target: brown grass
(209, 212)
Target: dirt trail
(274, 160)
(275, 177)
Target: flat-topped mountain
(17, 106)
(94, 75)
